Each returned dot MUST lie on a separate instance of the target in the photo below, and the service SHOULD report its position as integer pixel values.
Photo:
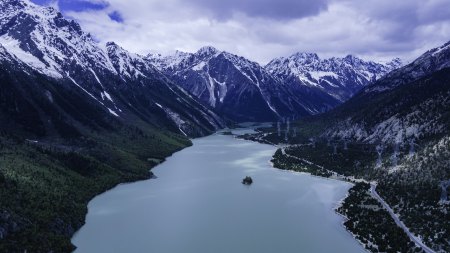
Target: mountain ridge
(423, 71)
(220, 79)
(297, 96)
(339, 77)
(394, 133)
(58, 48)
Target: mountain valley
(78, 118)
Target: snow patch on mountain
(221, 79)
(430, 62)
(13, 47)
(397, 129)
(318, 75)
(128, 64)
(108, 96)
(438, 50)
(96, 77)
(338, 77)
(46, 41)
(113, 112)
(199, 66)
(83, 89)
(176, 118)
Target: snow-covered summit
(431, 61)
(207, 51)
(42, 38)
(118, 83)
(240, 88)
(394, 63)
(339, 77)
(128, 64)
(169, 61)
(204, 63)
(196, 61)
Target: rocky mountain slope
(297, 86)
(238, 88)
(394, 132)
(119, 83)
(339, 77)
(408, 104)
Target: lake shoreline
(168, 163)
(338, 204)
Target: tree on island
(247, 180)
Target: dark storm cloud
(272, 9)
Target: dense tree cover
(371, 223)
(353, 160)
(415, 192)
(59, 147)
(284, 162)
(412, 188)
(45, 186)
(393, 112)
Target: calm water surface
(198, 205)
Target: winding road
(373, 186)
(397, 220)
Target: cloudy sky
(264, 29)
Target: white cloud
(380, 29)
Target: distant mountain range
(297, 86)
(339, 77)
(238, 88)
(77, 117)
(232, 86)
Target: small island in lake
(247, 180)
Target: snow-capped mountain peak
(408, 103)
(394, 63)
(109, 78)
(441, 49)
(430, 62)
(128, 64)
(240, 88)
(338, 77)
(167, 61)
(207, 51)
(305, 57)
(43, 39)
